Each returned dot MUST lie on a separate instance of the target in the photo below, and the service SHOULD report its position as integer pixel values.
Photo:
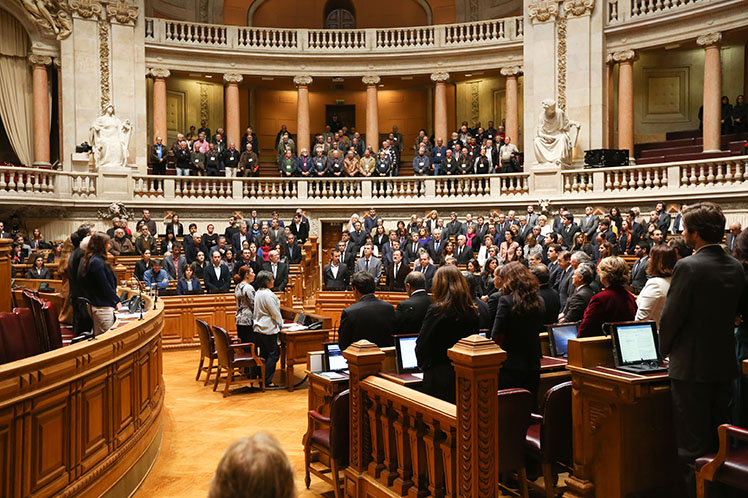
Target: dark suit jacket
(614, 304)
(235, 241)
(455, 228)
(140, 268)
(396, 282)
(577, 303)
(332, 283)
(429, 274)
(370, 318)
(190, 251)
(293, 253)
(410, 312)
(568, 235)
(410, 255)
(216, 284)
(466, 255)
(697, 325)
(676, 224)
(302, 233)
(179, 231)
(484, 320)
(518, 336)
(562, 284)
(281, 277)
(358, 239)
(552, 304)
(437, 256)
(639, 274)
(730, 240)
(349, 257)
(663, 222)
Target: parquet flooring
(199, 424)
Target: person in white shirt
(651, 300)
(267, 324)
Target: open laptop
(635, 347)
(559, 335)
(334, 359)
(299, 318)
(405, 354)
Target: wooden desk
(624, 443)
(407, 380)
(294, 347)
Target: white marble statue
(555, 136)
(110, 139)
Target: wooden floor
(199, 424)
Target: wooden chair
(549, 438)
(729, 466)
(331, 440)
(230, 359)
(515, 407)
(207, 350)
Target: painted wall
(669, 89)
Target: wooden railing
(389, 40)
(408, 443)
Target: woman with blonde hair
(614, 303)
(516, 327)
(451, 316)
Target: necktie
(436, 246)
(397, 267)
(367, 265)
(423, 269)
(459, 250)
(275, 270)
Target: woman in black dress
(518, 321)
(451, 316)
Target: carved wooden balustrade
(403, 442)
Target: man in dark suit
(607, 233)
(412, 248)
(435, 247)
(335, 274)
(697, 330)
(565, 272)
(409, 313)
(678, 224)
(174, 263)
(358, 236)
(216, 275)
(369, 263)
(463, 253)
(278, 269)
(663, 218)
(639, 270)
(454, 227)
(481, 229)
(239, 237)
(569, 230)
(369, 318)
(300, 228)
(293, 251)
(732, 236)
(578, 301)
(347, 250)
(195, 246)
(396, 273)
(158, 160)
(502, 226)
(424, 266)
(550, 296)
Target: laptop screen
(334, 359)
(559, 338)
(300, 317)
(636, 342)
(405, 347)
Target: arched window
(340, 14)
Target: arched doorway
(339, 14)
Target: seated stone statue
(555, 136)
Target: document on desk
(333, 375)
(293, 327)
(418, 375)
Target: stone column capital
(625, 56)
(543, 11)
(159, 73)
(233, 78)
(709, 39)
(122, 12)
(87, 9)
(371, 79)
(578, 8)
(440, 77)
(302, 80)
(39, 60)
(511, 71)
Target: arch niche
(424, 4)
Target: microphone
(141, 304)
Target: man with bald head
(278, 269)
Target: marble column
(512, 105)
(40, 92)
(372, 111)
(712, 128)
(231, 102)
(302, 83)
(440, 105)
(159, 75)
(610, 99)
(625, 59)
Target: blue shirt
(161, 279)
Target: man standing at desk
(697, 331)
(409, 313)
(369, 318)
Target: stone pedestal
(546, 181)
(114, 184)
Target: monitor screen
(560, 338)
(334, 358)
(636, 342)
(407, 353)
(300, 318)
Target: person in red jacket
(614, 303)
